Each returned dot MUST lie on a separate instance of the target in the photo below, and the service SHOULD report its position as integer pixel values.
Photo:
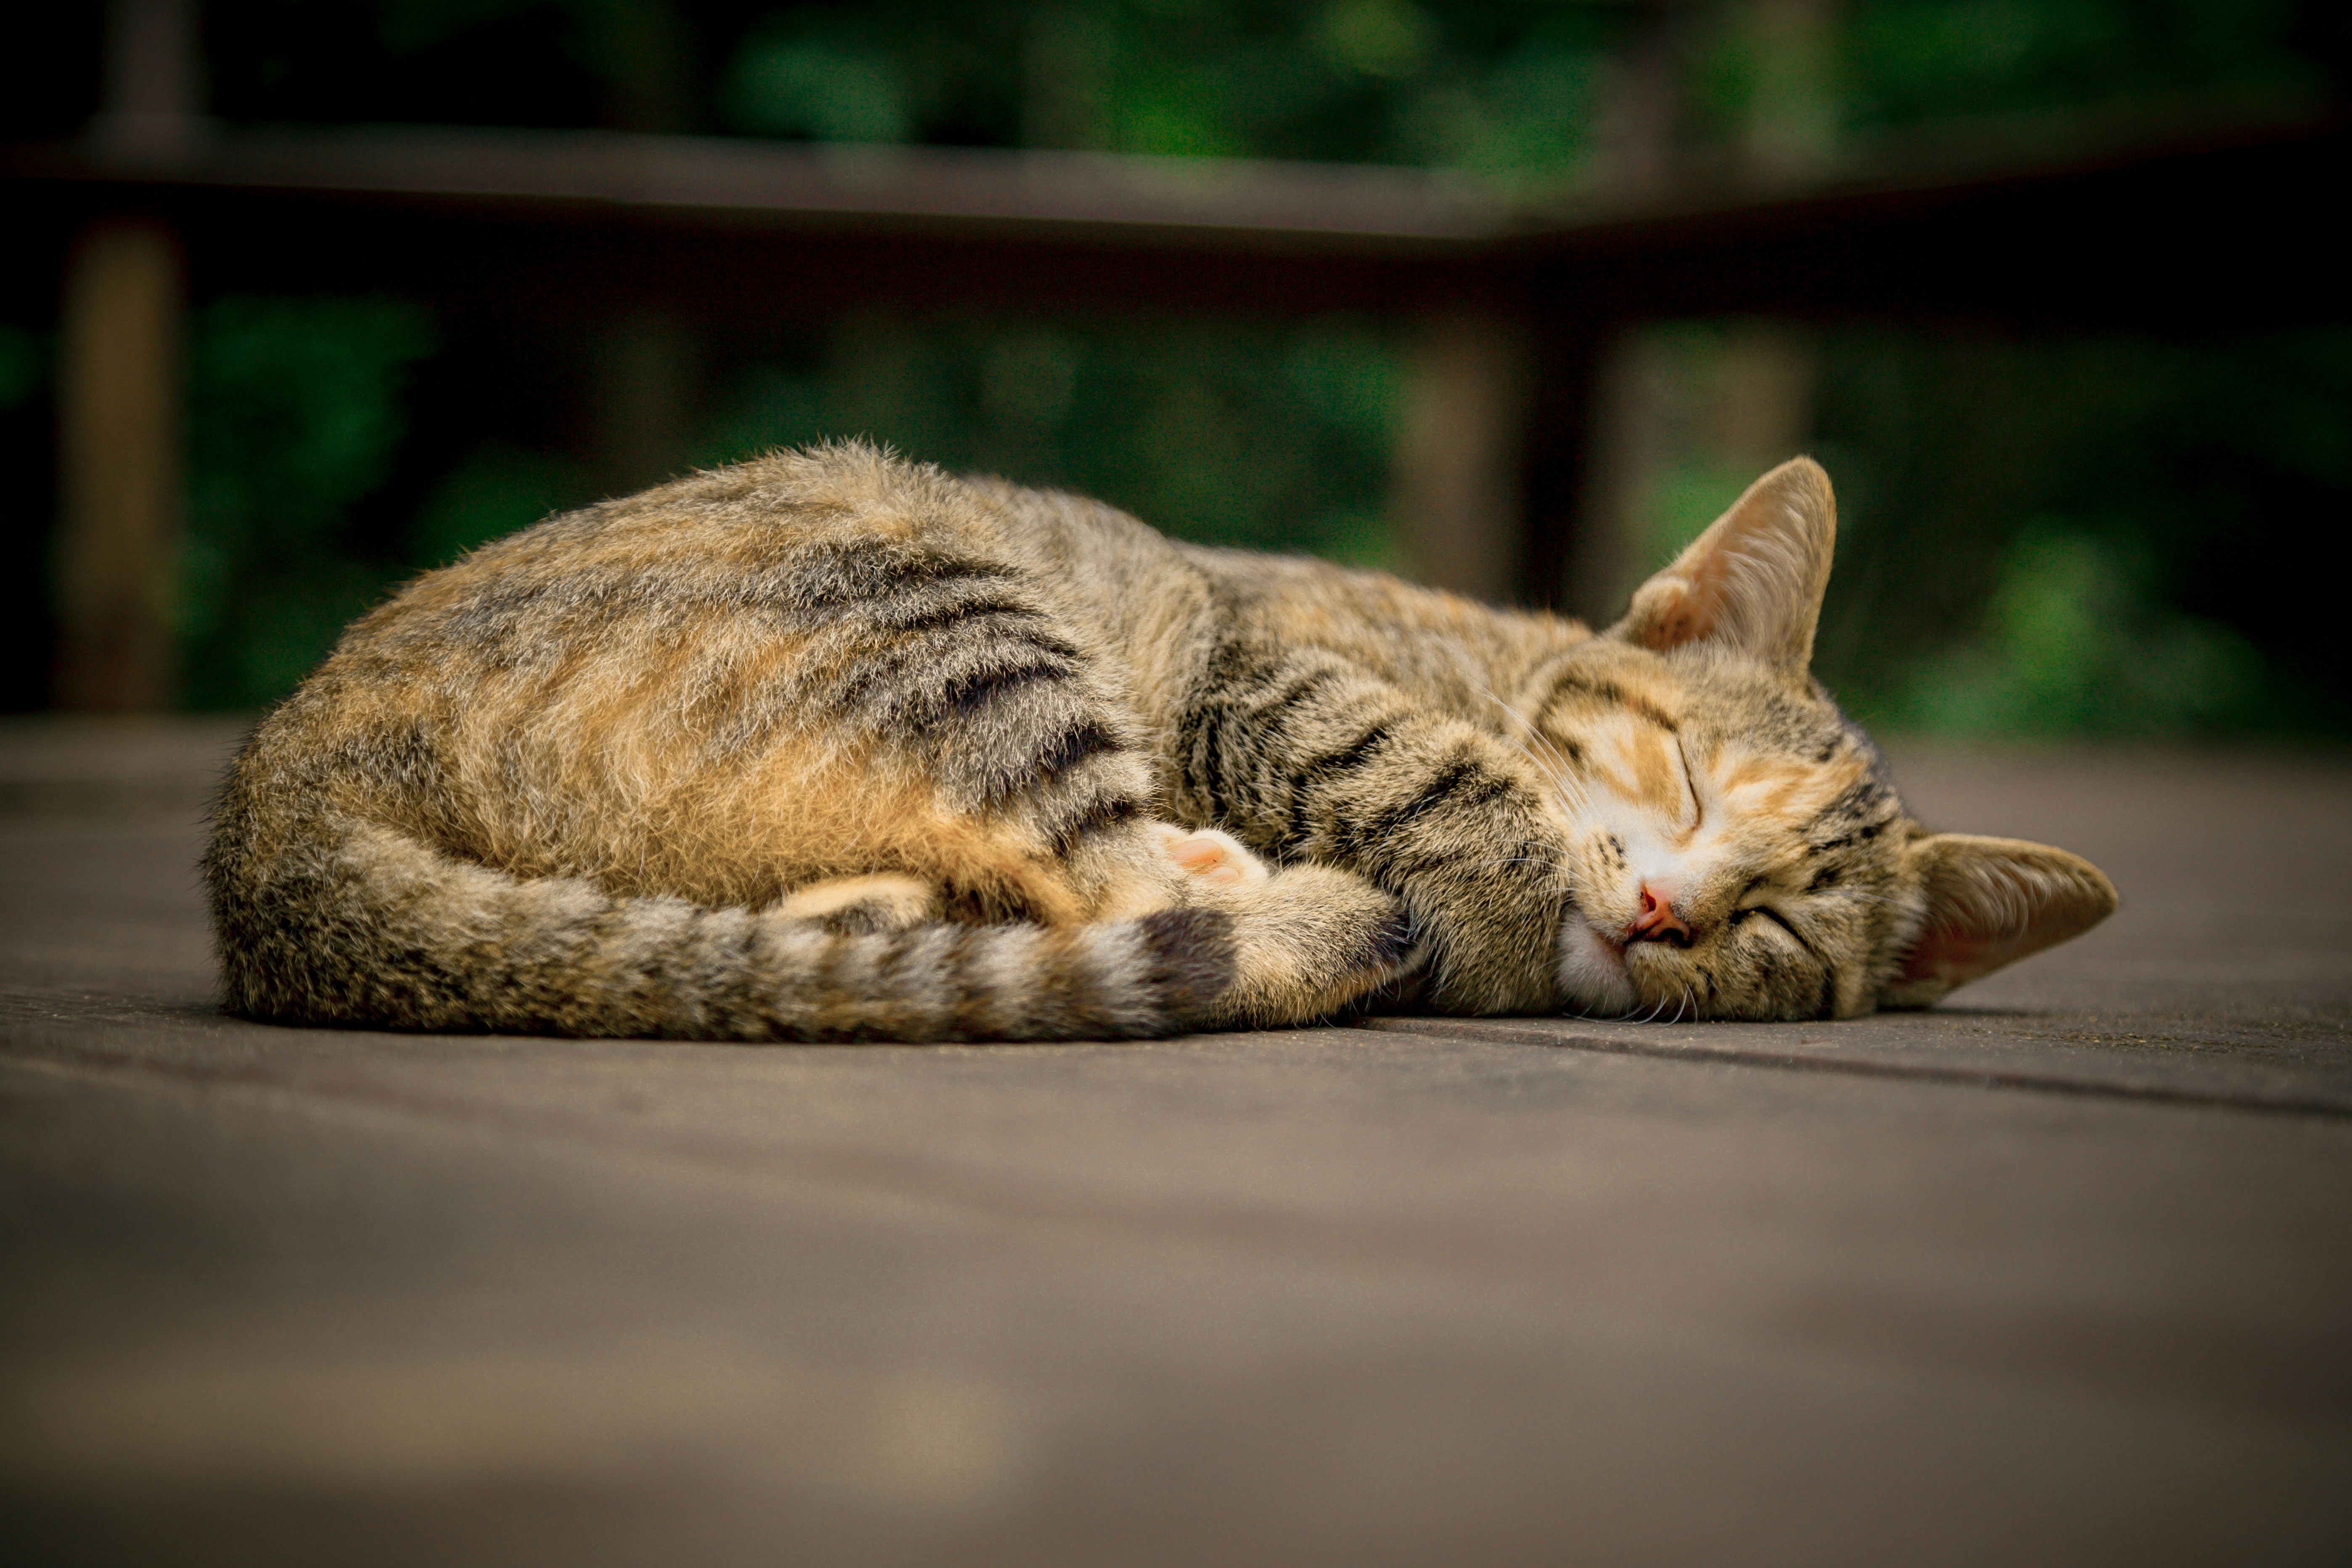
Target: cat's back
(702, 666)
(749, 548)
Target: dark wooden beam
(2222, 231)
(2205, 230)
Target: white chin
(1591, 972)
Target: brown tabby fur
(833, 746)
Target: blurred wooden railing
(1515, 298)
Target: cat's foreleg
(1307, 939)
(1217, 859)
(1306, 757)
(1044, 814)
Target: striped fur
(833, 746)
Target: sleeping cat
(830, 745)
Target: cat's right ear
(1753, 582)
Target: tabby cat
(833, 746)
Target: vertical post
(1457, 498)
(1620, 440)
(120, 483)
(1767, 386)
(1639, 128)
(118, 378)
(154, 80)
(1791, 123)
(1559, 543)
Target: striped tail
(362, 925)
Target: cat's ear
(1753, 581)
(1991, 901)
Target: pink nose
(1657, 921)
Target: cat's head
(1738, 849)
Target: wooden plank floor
(2060, 1273)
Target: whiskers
(1684, 1001)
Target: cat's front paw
(1217, 859)
(1309, 939)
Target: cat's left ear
(1753, 581)
(1991, 901)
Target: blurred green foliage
(2074, 640)
(1507, 89)
(497, 489)
(2101, 536)
(295, 414)
(1909, 61)
(1510, 86)
(20, 367)
(2051, 535)
(1164, 420)
(2057, 536)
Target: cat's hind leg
(856, 906)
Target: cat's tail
(353, 923)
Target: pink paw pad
(1213, 857)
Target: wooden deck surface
(2061, 1272)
